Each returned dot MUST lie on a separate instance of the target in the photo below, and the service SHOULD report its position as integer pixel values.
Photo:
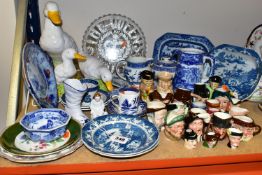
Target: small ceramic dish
(45, 124)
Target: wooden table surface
(167, 157)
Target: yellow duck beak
(109, 85)
(79, 57)
(54, 16)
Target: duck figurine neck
(67, 69)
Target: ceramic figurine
(164, 91)
(221, 122)
(183, 95)
(156, 111)
(67, 69)
(93, 68)
(197, 125)
(247, 126)
(53, 39)
(97, 106)
(234, 136)
(193, 67)
(210, 139)
(174, 123)
(213, 83)
(74, 92)
(147, 84)
(132, 67)
(190, 139)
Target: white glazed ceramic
(132, 67)
(236, 110)
(74, 92)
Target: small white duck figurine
(67, 69)
(93, 68)
(54, 39)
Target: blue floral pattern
(239, 68)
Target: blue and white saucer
(112, 108)
(120, 135)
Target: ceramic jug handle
(257, 130)
(208, 63)
(120, 66)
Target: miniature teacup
(247, 126)
(236, 111)
(128, 100)
(213, 103)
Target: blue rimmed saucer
(120, 136)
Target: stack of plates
(17, 147)
(120, 136)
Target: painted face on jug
(221, 132)
(177, 129)
(190, 144)
(234, 141)
(197, 126)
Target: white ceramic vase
(74, 92)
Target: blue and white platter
(141, 110)
(39, 76)
(239, 68)
(85, 105)
(169, 43)
(120, 136)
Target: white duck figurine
(54, 39)
(67, 69)
(93, 68)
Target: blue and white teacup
(193, 66)
(128, 100)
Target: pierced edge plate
(123, 155)
(201, 42)
(51, 91)
(245, 51)
(107, 31)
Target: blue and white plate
(85, 105)
(120, 136)
(169, 43)
(239, 68)
(141, 110)
(39, 76)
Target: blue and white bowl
(45, 124)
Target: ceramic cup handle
(208, 63)
(120, 66)
(257, 130)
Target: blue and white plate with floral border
(169, 43)
(38, 71)
(239, 68)
(120, 136)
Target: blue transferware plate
(119, 135)
(85, 105)
(239, 68)
(141, 110)
(169, 43)
(39, 76)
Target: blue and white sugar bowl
(165, 64)
(45, 124)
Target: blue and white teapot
(131, 68)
